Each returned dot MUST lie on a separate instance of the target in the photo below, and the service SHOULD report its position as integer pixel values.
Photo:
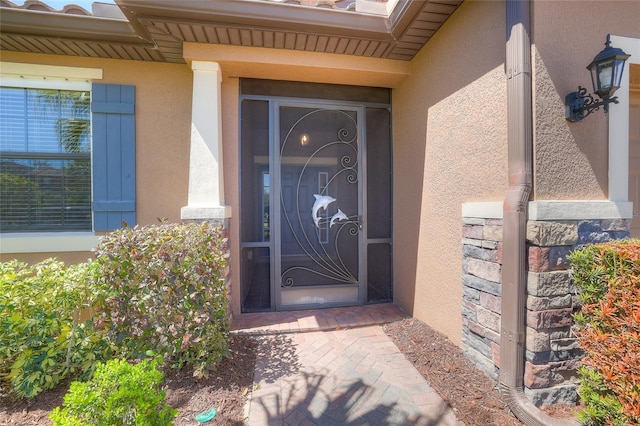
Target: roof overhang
(258, 14)
(58, 25)
(155, 30)
(75, 35)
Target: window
(45, 160)
(67, 157)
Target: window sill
(48, 242)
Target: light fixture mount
(580, 104)
(606, 73)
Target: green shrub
(42, 340)
(163, 288)
(600, 404)
(118, 394)
(608, 329)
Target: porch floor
(316, 319)
(336, 366)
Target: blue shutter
(114, 155)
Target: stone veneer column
(552, 354)
(482, 289)
(206, 183)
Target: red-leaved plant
(608, 329)
(162, 291)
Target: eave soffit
(154, 30)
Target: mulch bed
(472, 395)
(226, 389)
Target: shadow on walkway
(293, 394)
(280, 351)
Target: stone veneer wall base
(552, 354)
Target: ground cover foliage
(119, 393)
(42, 340)
(226, 389)
(155, 291)
(607, 277)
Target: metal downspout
(520, 159)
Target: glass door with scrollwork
(318, 204)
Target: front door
(319, 209)
(315, 208)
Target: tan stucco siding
(231, 157)
(450, 147)
(571, 159)
(291, 65)
(163, 116)
(68, 257)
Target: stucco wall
(571, 158)
(450, 147)
(163, 116)
(231, 156)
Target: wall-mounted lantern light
(606, 73)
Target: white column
(619, 124)
(206, 184)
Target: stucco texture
(571, 159)
(163, 116)
(291, 65)
(231, 154)
(68, 258)
(450, 147)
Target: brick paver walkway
(343, 370)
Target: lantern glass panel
(619, 67)
(605, 76)
(594, 78)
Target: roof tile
(39, 6)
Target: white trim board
(53, 242)
(34, 76)
(555, 210)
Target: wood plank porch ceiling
(156, 29)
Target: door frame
(360, 107)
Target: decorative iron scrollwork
(580, 104)
(331, 267)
